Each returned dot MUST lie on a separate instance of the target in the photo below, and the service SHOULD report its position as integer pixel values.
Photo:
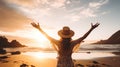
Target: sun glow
(39, 39)
(41, 55)
(36, 54)
(38, 36)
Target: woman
(65, 45)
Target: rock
(116, 53)
(17, 52)
(3, 57)
(24, 65)
(88, 52)
(93, 65)
(15, 43)
(2, 51)
(79, 65)
(114, 39)
(4, 43)
(95, 62)
(32, 66)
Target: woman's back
(65, 45)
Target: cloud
(10, 19)
(24, 3)
(18, 33)
(44, 11)
(51, 14)
(91, 9)
(24, 39)
(98, 4)
(61, 10)
(106, 12)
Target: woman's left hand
(35, 25)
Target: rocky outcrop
(15, 43)
(4, 43)
(114, 39)
(2, 51)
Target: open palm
(35, 25)
(94, 25)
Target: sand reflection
(43, 55)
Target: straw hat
(66, 32)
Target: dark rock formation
(15, 43)
(2, 51)
(15, 53)
(116, 53)
(3, 57)
(4, 43)
(114, 39)
(24, 65)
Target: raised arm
(79, 40)
(37, 26)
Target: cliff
(114, 39)
(5, 43)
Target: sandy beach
(30, 61)
(99, 62)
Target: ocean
(83, 48)
(85, 51)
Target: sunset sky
(52, 15)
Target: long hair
(65, 43)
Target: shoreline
(34, 61)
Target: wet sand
(17, 60)
(99, 62)
(25, 60)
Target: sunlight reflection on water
(74, 56)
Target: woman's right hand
(93, 26)
(36, 25)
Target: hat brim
(65, 36)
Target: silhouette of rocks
(88, 52)
(32, 66)
(93, 65)
(5, 44)
(95, 62)
(2, 51)
(106, 65)
(114, 39)
(116, 53)
(24, 65)
(3, 41)
(79, 65)
(3, 57)
(15, 43)
(15, 53)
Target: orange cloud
(11, 20)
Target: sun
(39, 39)
(36, 54)
(40, 55)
